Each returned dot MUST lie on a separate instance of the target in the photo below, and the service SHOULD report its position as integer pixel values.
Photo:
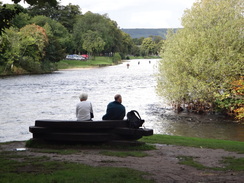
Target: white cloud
(136, 13)
(152, 19)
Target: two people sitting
(115, 110)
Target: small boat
(87, 131)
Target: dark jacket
(115, 111)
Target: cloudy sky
(136, 13)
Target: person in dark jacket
(115, 110)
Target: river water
(24, 99)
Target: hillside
(138, 33)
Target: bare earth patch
(162, 164)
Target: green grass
(99, 61)
(227, 145)
(229, 164)
(23, 169)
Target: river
(23, 99)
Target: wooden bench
(87, 131)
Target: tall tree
(68, 16)
(93, 43)
(201, 60)
(24, 49)
(148, 46)
(58, 30)
(101, 24)
(6, 14)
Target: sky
(134, 13)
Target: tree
(127, 43)
(59, 32)
(21, 20)
(39, 2)
(23, 49)
(138, 41)
(93, 43)
(148, 46)
(37, 40)
(6, 14)
(106, 28)
(66, 15)
(201, 60)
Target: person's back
(84, 111)
(115, 110)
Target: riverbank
(98, 62)
(163, 163)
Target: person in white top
(84, 111)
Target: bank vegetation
(35, 39)
(202, 69)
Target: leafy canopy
(200, 60)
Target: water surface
(23, 99)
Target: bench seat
(86, 131)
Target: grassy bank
(227, 145)
(23, 169)
(99, 61)
(18, 167)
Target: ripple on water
(23, 99)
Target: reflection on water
(23, 99)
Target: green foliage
(39, 2)
(201, 60)
(7, 13)
(66, 15)
(196, 142)
(107, 30)
(92, 42)
(127, 44)
(21, 20)
(116, 58)
(23, 51)
(100, 61)
(148, 46)
(54, 29)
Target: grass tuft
(30, 169)
(229, 164)
(227, 145)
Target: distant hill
(138, 33)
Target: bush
(116, 58)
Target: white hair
(83, 96)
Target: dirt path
(162, 164)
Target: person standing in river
(84, 111)
(115, 109)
